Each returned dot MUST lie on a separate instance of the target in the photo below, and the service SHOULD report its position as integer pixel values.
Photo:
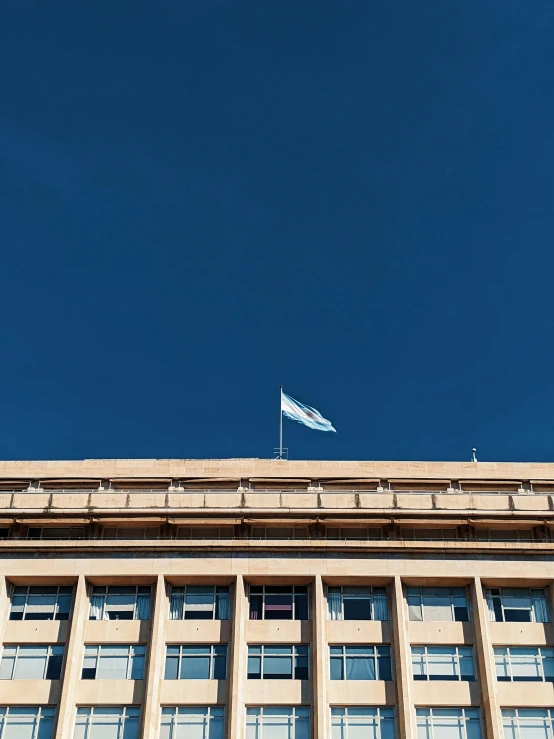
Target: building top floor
(466, 500)
(273, 474)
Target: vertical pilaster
(4, 606)
(485, 661)
(156, 663)
(402, 663)
(235, 711)
(320, 663)
(73, 661)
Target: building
(258, 599)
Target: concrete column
(402, 663)
(320, 663)
(236, 716)
(485, 661)
(4, 606)
(156, 663)
(74, 652)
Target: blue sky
(203, 199)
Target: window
(114, 662)
(117, 602)
(279, 532)
(527, 723)
(198, 722)
(278, 722)
(273, 602)
(31, 662)
(128, 532)
(524, 664)
(196, 662)
(4, 533)
(437, 604)
(283, 662)
(448, 723)
(517, 604)
(430, 534)
(443, 663)
(66, 532)
(205, 532)
(362, 532)
(41, 603)
(504, 534)
(26, 722)
(199, 602)
(357, 603)
(356, 722)
(360, 663)
(107, 722)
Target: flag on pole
(296, 411)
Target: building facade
(258, 599)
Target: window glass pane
(357, 608)
(437, 608)
(441, 662)
(31, 663)
(195, 668)
(525, 663)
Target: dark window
(278, 602)
(283, 662)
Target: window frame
(344, 717)
(212, 715)
(263, 608)
(218, 592)
(331, 590)
(74, 532)
(423, 593)
(146, 536)
(126, 713)
(429, 713)
(375, 654)
(266, 532)
(496, 606)
(457, 656)
(213, 657)
(94, 651)
(63, 592)
(223, 532)
(296, 653)
(344, 533)
(511, 720)
(521, 535)
(54, 656)
(255, 716)
(42, 714)
(96, 592)
(507, 659)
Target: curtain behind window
(540, 610)
(97, 608)
(360, 668)
(380, 607)
(334, 603)
(222, 606)
(176, 605)
(143, 607)
(490, 605)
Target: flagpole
(281, 422)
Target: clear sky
(202, 199)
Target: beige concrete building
(257, 599)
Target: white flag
(304, 414)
